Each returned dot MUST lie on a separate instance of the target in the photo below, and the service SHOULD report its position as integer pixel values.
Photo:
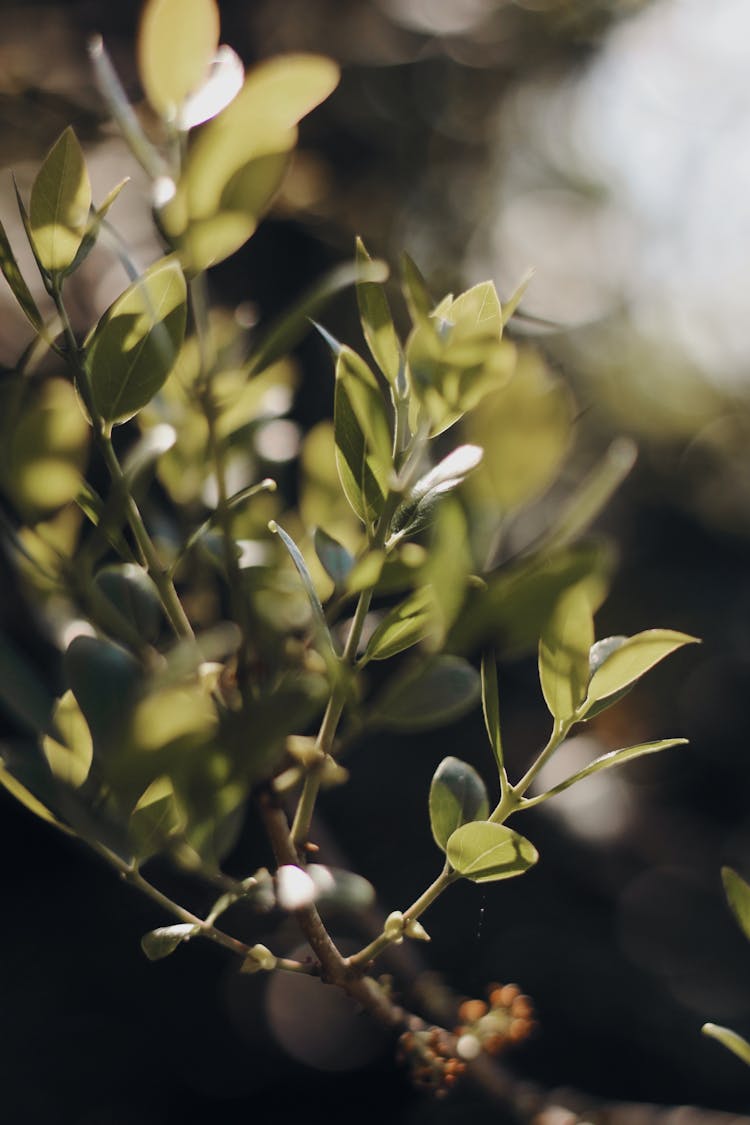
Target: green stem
(158, 574)
(368, 953)
(337, 701)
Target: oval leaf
(134, 346)
(485, 852)
(160, 943)
(105, 680)
(631, 659)
(176, 43)
(564, 654)
(134, 596)
(738, 897)
(436, 694)
(69, 754)
(406, 625)
(60, 204)
(334, 558)
(457, 796)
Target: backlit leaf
(69, 755)
(134, 346)
(564, 654)
(485, 852)
(176, 42)
(406, 625)
(377, 322)
(608, 761)
(632, 659)
(738, 896)
(60, 203)
(363, 436)
(457, 796)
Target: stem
(559, 732)
(337, 701)
(160, 577)
(131, 875)
(369, 952)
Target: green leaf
(69, 753)
(406, 625)
(415, 289)
(417, 511)
(176, 43)
(516, 296)
(238, 160)
(377, 322)
(457, 796)
(607, 761)
(160, 943)
(436, 693)
(729, 1039)
(134, 346)
(486, 852)
(60, 203)
(105, 680)
(319, 616)
(477, 311)
(334, 558)
(156, 817)
(18, 286)
(363, 436)
(631, 659)
(564, 654)
(133, 595)
(738, 897)
(491, 708)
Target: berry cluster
(506, 1019)
(430, 1054)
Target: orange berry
(472, 1010)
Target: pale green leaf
(405, 626)
(156, 818)
(564, 653)
(608, 761)
(160, 943)
(60, 204)
(377, 322)
(632, 659)
(485, 852)
(737, 891)
(134, 346)
(476, 312)
(363, 436)
(70, 752)
(176, 43)
(729, 1039)
(516, 296)
(415, 289)
(457, 796)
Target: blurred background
(606, 144)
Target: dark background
(621, 934)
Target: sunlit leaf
(156, 817)
(363, 436)
(564, 653)
(60, 203)
(160, 943)
(608, 761)
(435, 694)
(69, 753)
(134, 346)
(18, 286)
(632, 659)
(485, 852)
(415, 289)
(176, 42)
(377, 322)
(729, 1039)
(457, 796)
(737, 891)
(405, 626)
(477, 311)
